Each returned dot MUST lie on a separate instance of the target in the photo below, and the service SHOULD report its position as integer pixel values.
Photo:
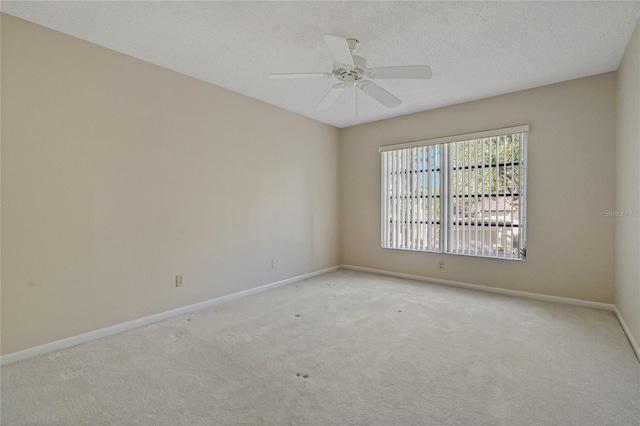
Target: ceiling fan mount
(351, 70)
(353, 44)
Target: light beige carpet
(343, 348)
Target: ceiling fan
(351, 71)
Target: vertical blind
(461, 194)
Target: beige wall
(627, 227)
(117, 175)
(570, 184)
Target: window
(460, 195)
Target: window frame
(446, 170)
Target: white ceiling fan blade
(330, 97)
(298, 75)
(410, 71)
(379, 94)
(339, 49)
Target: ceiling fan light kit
(351, 70)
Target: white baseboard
(119, 328)
(507, 292)
(632, 341)
(536, 296)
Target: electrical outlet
(179, 280)
(441, 265)
(273, 264)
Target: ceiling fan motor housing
(350, 75)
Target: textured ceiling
(475, 49)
